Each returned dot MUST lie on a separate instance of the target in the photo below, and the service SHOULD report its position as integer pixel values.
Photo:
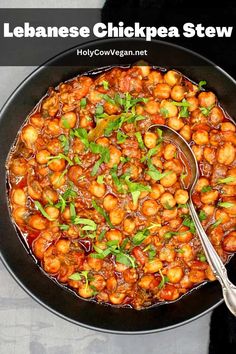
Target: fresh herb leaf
(202, 215)
(109, 99)
(164, 112)
(168, 235)
(103, 151)
(136, 188)
(216, 223)
(65, 143)
(42, 211)
(201, 256)
(179, 250)
(184, 103)
(100, 179)
(140, 236)
(101, 235)
(65, 122)
(82, 134)
(140, 140)
(225, 204)
(72, 212)
(188, 221)
(101, 211)
(64, 227)
(83, 102)
(201, 83)
(115, 178)
(121, 137)
(155, 174)
(206, 110)
(77, 160)
(226, 180)
(89, 224)
(164, 279)
(105, 85)
(206, 189)
(59, 157)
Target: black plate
(16, 257)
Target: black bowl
(17, 257)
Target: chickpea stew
(100, 200)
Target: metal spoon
(218, 268)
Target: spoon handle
(218, 268)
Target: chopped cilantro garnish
(42, 211)
(202, 215)
(121, 137)
(83, 102)
(140, 236)
(201, 83)
(225, 204)
(140, 140)
(226, 180)
(206, 189)
(101, 211)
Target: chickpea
(209, 274)
(37, 222)
(19, 196)
(184, 235)
(174, 165)
(57, 165)
(169, 292)
(216, 116)
(209, 155)
(54, 146)
(198, 152)
(178, 93)
(196, 276)
(169, 179)
(103, 142)
(167, 200)
(187, 254)
(162, 91)
(150, 207)
(202, 182)
(152, 107)
(232, 173)
(167, 254)
(186, 132)
(206, 99)
(150, 140)
(63, 246)
(227, 126)
(110, 202)
(52, 212)
(229, 242)
(193, 101)
(97, 189)
(117, 216)
(69, 118)
(130, 276)
(181, 196)
(95, 263)
(157, 191)
(19, 215)
(115, 155)
(51, 264)
(74, 173)
(35, 190)
(114, 235)
(111, 284)
(172, 78)
(42, 156)
(232, 210)
(169, 214)
(156, 161)
(175, 274)
(146, 281)
(175, 123)
(222, 215)
(169, 108)
(129, 225)
(98, 282)
(40, 245)
(19, 167)
(29, 135)
(85, 291)
(226, 154)
(49, 195)
(57, 179)
(200, 137)
(110, 108)
(116, 298)
(153, 266)
(144, 70)
(53, 127)
(169, 151)
(36, 120)
(209, 197)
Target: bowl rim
(4, 107)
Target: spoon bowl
(218, 268)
